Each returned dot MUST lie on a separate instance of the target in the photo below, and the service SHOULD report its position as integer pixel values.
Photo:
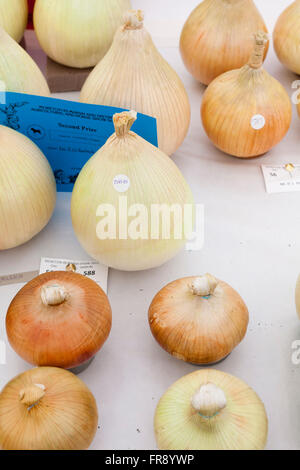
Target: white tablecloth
(252, 241)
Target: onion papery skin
(18, 71)
(14, 17)
(154, 179)
(77, 33)
(197, 329)
(233, 99)
(66, 418)
(242, 425)
(218, 37)
(65, 335)
(134, 75)
(27, 189)
(286, 37)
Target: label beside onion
(198, 319)
(59, 319)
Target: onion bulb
(47, 409)
(77, 33)
(287, 37)
(217, 37)
(210, 410)
(27, 189)
(18, 72)
(59, 319)
(246, 112)
(133, 75)
(198, 319)
(14, 17)
(124, 239)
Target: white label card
(92, 269)
(282, 178)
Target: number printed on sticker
(121, 183)
(258, 122)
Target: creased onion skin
(134, 75)
(66, 418)
(14, 17)
(286, 37)
(77, 33)
(65, 335)
(154, 178)
(196, 329)
(231, 101)
(18, 71)
(242, 425)
(218, 37)
(27, 189)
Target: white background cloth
(252, 241)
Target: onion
(14, 17)
(18, 72)
(59, 319)
(27, 189)
(217, 37)
(152, 181)
(246, 112)
(198, 319)
(210, 410)
(47, 409)
(77, 33)
(133, 75)
(287, 37)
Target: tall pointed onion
(47, 409)
(77, 33)
(217, 37)
(27, 189)
(198, 319)
(286, 37)
(18, 72)
(133, 75)
(125, 181)
(210, 410)
(14, 17)
(246, 112)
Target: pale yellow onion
(133, 75)
(154, 179)
(246, 112)
(27, 189)
(77, 33)
(217, 37)
(47, 409)
(286, 37)
(14, 17)
(210, 410)
(18, 72)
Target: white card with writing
(92, 269)
(281, 178)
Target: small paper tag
(281, 178)
(258, 122)
(121, 183)
(92, 269)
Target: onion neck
(32, 394)
(257, 58)
(204, 286)
(133, 19)
(123, 122)
(53, 295)
(209, 401)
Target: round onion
(27, 189)
(59, 319)
(198, 319)
(14, 17)
(47, 409)
(287, 37)
(210, 410)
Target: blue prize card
(67, 132)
